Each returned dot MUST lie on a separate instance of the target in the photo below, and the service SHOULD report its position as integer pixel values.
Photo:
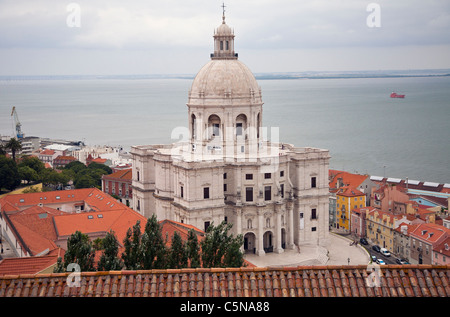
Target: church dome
(224, 80)
(224, 29)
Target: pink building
(358, 221)
(441, 253)
(119, 184)
(390, 198)
(425, 239)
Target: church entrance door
(249, 242)
(268, 246)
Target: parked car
(402, 261)
(363, 241)
(381, 262)
(385, 252)
(376, 248)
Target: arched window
(193, 126)
(214, 125)
(241, 124)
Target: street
(387, 259)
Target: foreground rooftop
(302, 281)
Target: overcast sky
(175, 36)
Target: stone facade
(225, 168)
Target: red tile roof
(118, 221)
(349, 191)
(304, 281)
(430, 232)
(125, 174)
(47, 152)
(93, 197)
(40, 227)
(349, 179)
(65, 157)
(28, 265)
(35, 227)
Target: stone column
(260, 231)
(290, 224)
(278, 247)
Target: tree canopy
(145, 250)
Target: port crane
(17, 124)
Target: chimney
(404, 230)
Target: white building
(275, 195)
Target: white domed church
(226, 169)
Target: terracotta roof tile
(395, 281)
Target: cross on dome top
(223, 14)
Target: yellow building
(380, 227)
(347, 199)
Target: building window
(248, 193)
(206, 192)
(282, 190)
(313, 229)
(238, 128)
(181, 192)
(248, 176)
(216, 129)
(267, 193)
(207, 223)
(281, 173)
(221, 45)
(313, 182)
(224, 187)
(267, 175)
(224, 175)
(138, 175)
(313, 213)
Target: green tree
(153, 248)
(33, 162)
(192, 249)
(75, 166)
(131, 257)
(221, 249)
(84, 181)
(14, 146)
(234, 257)
(178, 257)
(9, 174)
(2, 149)
(98, 166)
(109, 260)
(79, 251)
(27, 174)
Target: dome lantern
(224, 41)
